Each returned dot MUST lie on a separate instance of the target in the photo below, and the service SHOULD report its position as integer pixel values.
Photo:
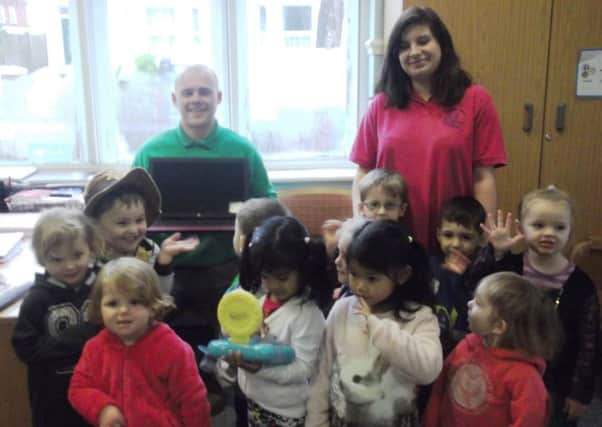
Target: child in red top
(136, 372)
(494, 376)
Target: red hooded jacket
(154, 382)
(491, 387)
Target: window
(90, 82)
(37, 119)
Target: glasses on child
(375, 206)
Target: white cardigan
(283, 389)
(369, 367)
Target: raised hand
(173, 246)
(329, 235)
(499, 233)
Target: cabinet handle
(560, 116)
(528, 117)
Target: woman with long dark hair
(430, 123)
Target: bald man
(202, 276)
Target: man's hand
(173, 246)
(111, 416)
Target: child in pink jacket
(494, 376)
(137, 371)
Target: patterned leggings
(260, 417)
(403, 421)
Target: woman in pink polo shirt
(430, 123)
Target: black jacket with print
(49, 336)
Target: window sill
(303, 176)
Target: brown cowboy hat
(136, 181)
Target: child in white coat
(383, 340)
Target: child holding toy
(291, 268)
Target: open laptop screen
(200, 187)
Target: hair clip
(306, 240)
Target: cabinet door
(572, 158)
(504, 46)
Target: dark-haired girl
(281, 260)
(382, 341)
(429, 123)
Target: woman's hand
(173, 246)
(111, 416)
(499, 233)
(235, 359)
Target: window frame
(95, 123)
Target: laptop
(199, 192)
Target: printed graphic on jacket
(365, 392)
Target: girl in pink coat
(137, 371)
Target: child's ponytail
(283, 243)
(315, 276)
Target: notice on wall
(589, 73)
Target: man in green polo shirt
(202, 276)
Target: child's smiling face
(546, 226)
(123, 227)
(68, 262)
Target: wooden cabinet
(526, 52)
(14, 401)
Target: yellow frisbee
(240, 315)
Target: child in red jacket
(136, 372)
(494, 376)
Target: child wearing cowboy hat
(124, 206)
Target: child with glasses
(383, 195)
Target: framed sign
(589, 73)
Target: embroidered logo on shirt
(454, 118)
(469, 385)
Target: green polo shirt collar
(208, 143)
